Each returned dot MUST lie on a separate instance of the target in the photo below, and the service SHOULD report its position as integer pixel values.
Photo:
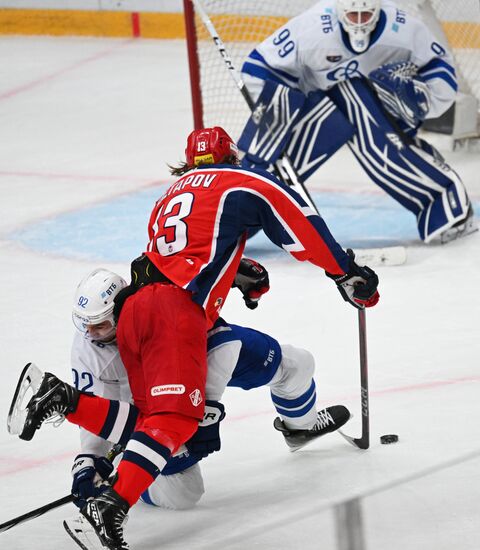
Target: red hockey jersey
(198, 229)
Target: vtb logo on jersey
(345, 72)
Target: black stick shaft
(35, 513)
(362, 338)
(114, 451)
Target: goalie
(364, 73)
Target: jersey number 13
(170, 229)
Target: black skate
(52, 399)
(328, 420)
(100, 523)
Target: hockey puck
(387, 439)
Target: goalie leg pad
(423, 184)
(320, 130)
(268, 129)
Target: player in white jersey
(237, 356)
(366, 73)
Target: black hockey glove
(252, 280)
(90, 474)
(359, 285)
(206, 439)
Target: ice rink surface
(87, 127)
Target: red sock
(91, 413)
(132, 481)
(150, 446)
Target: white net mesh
(243, 23)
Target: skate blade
(83, 533)
(454, 233)
(294, 446)
(30, 379)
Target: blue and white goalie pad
(402, 91)
(267, 131)
(309, 129)
(320, 130)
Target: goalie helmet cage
(242, 24)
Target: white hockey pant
(293, 388)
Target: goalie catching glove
(402, 92)
(90, 477)
(359, 285)
(252, 280)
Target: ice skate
(52, 399)
(100, 523)
(328, 420)
(461, 229)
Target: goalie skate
(460, 229)
(51, 399)
(328, 420)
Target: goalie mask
(210, 146)
(93, 304)
(359, 19)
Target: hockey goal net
(241, 24)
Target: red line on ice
(399, 389)
(34, 83)
(7, 467)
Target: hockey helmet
(209, 146)
(93, 303)
(359, 19)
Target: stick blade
(361, 442)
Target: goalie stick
(362, 442)
(285, 171)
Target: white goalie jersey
(312, 52)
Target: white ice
(87, 127)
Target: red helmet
(209, 146)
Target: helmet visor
(359, 18)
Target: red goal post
(241, 24)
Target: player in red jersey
(197, 233)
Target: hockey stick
(362, 442)
(35, 513)
(284, 168)
(115, 450)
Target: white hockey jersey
(97, 368)
(312, 52)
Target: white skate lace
(324, 419)
(54, 416)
